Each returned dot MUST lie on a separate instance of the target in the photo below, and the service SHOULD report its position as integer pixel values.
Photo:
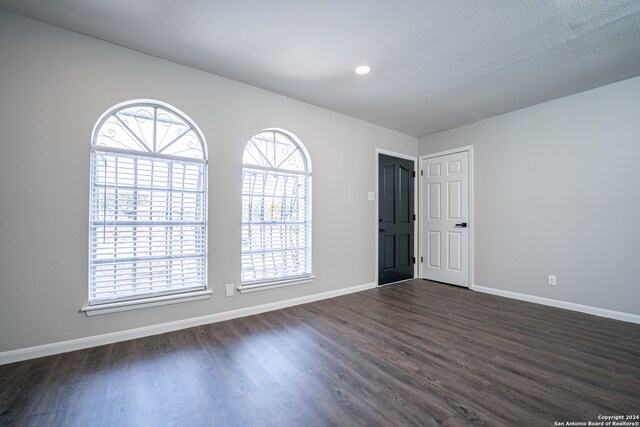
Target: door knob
(381, 229)
(462, 225)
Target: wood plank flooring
(416, 353)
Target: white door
(444, 183)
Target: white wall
(557, 191)
(54, 84)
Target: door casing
(422, 207)
(415, 203)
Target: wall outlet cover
(228, 289)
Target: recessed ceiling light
(362, 70)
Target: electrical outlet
(228, 288)
(551, 281)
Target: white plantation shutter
(276, 209)
(147, 226)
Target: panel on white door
(444, 208)
(434, 201)
(454, 167)
(434, 249)
(454, 257)
(454, 200)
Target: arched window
(147, 223)
(276, 209)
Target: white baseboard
(94, 341)
(602, 312)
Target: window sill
(115, 307)
(243, 289)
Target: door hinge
(414, 217)
(421, 172)
(414, 174)
(414, 260)
(421, 259)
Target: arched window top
(149, 127)
(276, 149)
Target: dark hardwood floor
(416, 353)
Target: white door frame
(471, 220)
(415, 204)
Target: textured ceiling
(436, 64)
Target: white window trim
(263, 286)
(137, 304)
(308, 277)
(151, 300)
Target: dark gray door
(395, 219)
